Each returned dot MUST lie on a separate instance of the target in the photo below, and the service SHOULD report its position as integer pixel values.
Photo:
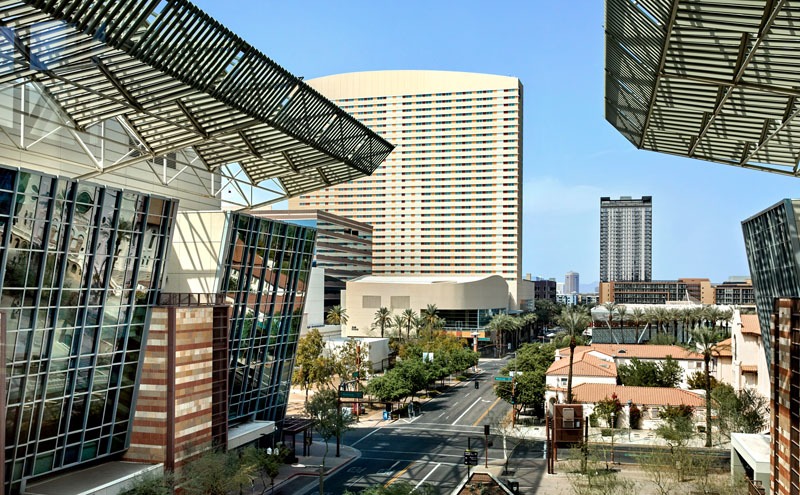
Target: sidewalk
(302, 476)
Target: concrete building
(736, 291)
(572, 282)
(102, 361)
(544, 289)
(467, 304)
(626, 239)
(695, 290)
(343, 252)
(448, 200)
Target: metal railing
(755, 487)
(190, 299)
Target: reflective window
(76, 292)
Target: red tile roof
(750, 325)
(584, 364)
(723, 348)
(641, 351)
(749, 368)
(591, 393)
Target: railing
(754, 487)
(190, 299)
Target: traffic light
(486, 430)
(477, 384)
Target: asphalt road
(428, 448)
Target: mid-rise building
(626, 239)
(448, 200)
(544, 289)
(572, 282)
(736, 291)
(696, 290)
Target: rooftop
(655, 396)
(641, 351)
(584, 364)
(750, 325)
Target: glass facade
(266, 269)
(81, 266)
(773, 253)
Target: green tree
(409, 320)
(337, 315)
(352, 360)
(311, 367)
(546, 312)
(266, 466)
(706, 339)
(430, 321)
(742, 412)
(638, 373)
(215, 473)
(389, 387)
(526, 390)
(697, 381)
(574, 321)
(151, 484)
(608, 409)
(501, 326)
(329, 422)
(383, 319)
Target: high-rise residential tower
(448, 200)
(571, 282)
(626, 239)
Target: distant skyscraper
(572, 283)
(448, 200)
(626, 239)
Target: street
(428, 448)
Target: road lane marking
(486, 412)
(399, 473)
(365, 437)
(465, 412)
(426, 477)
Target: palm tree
(383, 319)
(409, 320)
(610, 306)
(398, 322)
(637, 317)
(429, 320)
(705, 340)
(574, 321)
(528, 320)
(337, 315)
(501, 324)
(622, 312)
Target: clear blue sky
(572, 156)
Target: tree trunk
(572, 345)
(707, 359)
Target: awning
(176, 78)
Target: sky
(571, 155)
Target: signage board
(350, 394)
(503, 378)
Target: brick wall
(173, 419)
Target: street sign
(471, 457)
(503, 378)
(348, 394)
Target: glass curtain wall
(80, 267)
(266, 272)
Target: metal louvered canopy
(178, 79)
(716, 80)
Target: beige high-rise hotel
(448, 200)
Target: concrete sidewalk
(304, 475)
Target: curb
(316, 473)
